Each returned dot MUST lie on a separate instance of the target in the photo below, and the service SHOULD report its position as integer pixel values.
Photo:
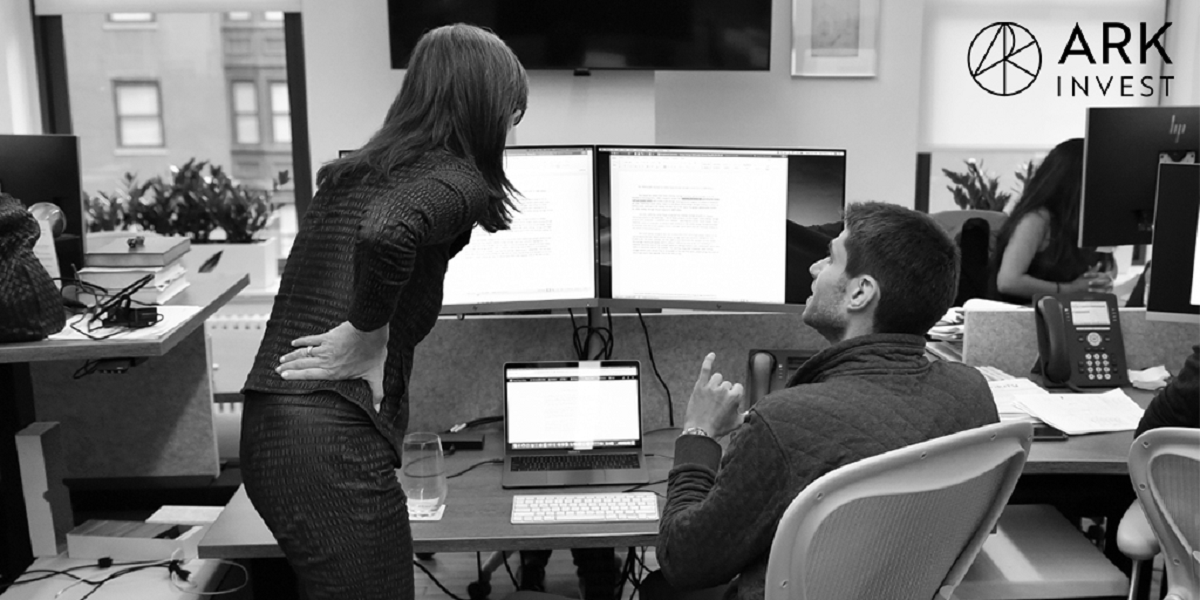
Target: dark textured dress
(317, 459)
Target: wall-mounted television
(665, 35)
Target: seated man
(1176, 405)
(890, 275)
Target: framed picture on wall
(835, 38)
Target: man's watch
(695, 431)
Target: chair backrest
(1164, 465)
(975, 232)
(902, 525)
(953, 220)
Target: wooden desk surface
(477, 514)
(209, 291)
(477, 508)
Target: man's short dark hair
(913, 259)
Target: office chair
(975, 232)
(906, 524)
(1164, 465)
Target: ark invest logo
(1004, 59)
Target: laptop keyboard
(575, 462)
(584, 508)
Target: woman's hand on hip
(341, 353)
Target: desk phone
(1079, 340)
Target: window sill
(130, 26)
(140, 152)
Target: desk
(477, 508)
(18, 408)
(477, 514)
(153, 583)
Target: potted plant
(975, 190)
(222, 218)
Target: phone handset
(762, 365)
(1052, 340)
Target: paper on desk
(1008, 393)
(1149, 379)
(172, 317)
(186, 515)
(1078, 414)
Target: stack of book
(117, 264)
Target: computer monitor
(547, 259)
(1122, 150)
(714, 228)
(45, 168)
(1174, 281)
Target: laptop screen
(572, 405)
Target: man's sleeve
(1178, 404)
(717, 522)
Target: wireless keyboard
(584, 508)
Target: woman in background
(1036, 251)
(327, 398)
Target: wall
(350, 86)
(182, 52)
(19, 109)
(956, 114)
(874, 119)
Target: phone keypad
(1097, 365)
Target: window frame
(235, 114)
(117, 84)
(273, 114)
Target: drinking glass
(423, 474)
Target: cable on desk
(490, 461)
(44, 574)
(183, 575)
(650, 351)
(436, 582)
(475, 423)
(97, 584)
(642, 485)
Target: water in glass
(423, 474)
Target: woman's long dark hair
(462, 86)
(1056, 186)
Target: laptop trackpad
(572, 478)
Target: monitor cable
(650, 351)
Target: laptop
(572, 423)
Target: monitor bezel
(513, 306)
(1112, 128)
(1155, 313)
(605, 291)
(572, 364)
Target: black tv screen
(724, 35)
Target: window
(273, 15)
(131, 17)
(245, 113)
(139, 114)
(238, 16)
(281, 113)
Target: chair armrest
(1134, 536)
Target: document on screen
(699, 226)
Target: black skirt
(321, 473)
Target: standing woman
(327, 398)
(1037, 251)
